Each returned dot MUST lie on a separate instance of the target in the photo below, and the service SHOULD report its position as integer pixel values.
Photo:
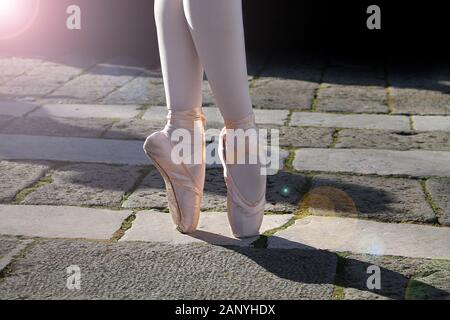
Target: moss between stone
(335, 137)
(126, 225)
(339, 279)
(438, 212)
(21, 195)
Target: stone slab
(14, 66)
(213, 228)
(133, 129)
(431, 123)
(440, 192)
(87, 111)
(10, 248)
(86, 185)
(365, 237)
(72, 149)
(270, 93)
(416, 163)
(393, 140)
(356, 121)
(95, 85)
(400, 278)
(60, 222)
(306, 137)
(58, 127)
(380, 198)
(16, 109)
(160, 271)
(49, 75)
(15, 176)
(421, 102)
(146, 89)
(352, 98)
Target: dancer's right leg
(180, 64)
(183, 173)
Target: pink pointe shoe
(185, 177)
(245, 215)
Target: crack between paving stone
(335, 137)
(438, 212)
(45, 179)
(339, 278)
(15, 257)
(126, 225)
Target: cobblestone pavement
(364, 181)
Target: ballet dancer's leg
(184, 174)
(180, 64)
(218, 33)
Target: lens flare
(17, 16)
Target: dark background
(273, 27)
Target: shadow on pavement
(301, 265)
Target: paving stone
(420, 90)
(146, 89)
(416, 163)
(161, 271)
(383, 199)
(86, 185)
(98, 83)
(412, 101)
(155, 113)
(284, 191)
(60, 222)
(88, 111)
(10, 248)
(215, 191)
(391, 140)
(364, 237)
(208, 96)
(151, 193)
(278, 117)
(440, 192)
(15, 108)
(72, 149)
(213, 228)
(401, 278)
(7, 245)
(431, 123)
(15, 176)
(306, 137)
(283, 94)
(13, 67)
(133, 129)
(48, 75)
(357, 99)
(357, 121)
(60, 127)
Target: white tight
(209, 34)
